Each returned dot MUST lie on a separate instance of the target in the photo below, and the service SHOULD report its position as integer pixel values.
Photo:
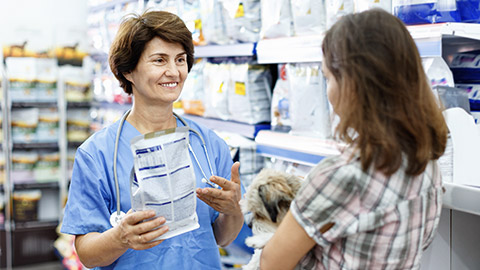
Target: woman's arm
(101, 249)
(287, 246)
(226, 201)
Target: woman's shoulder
(344, 166)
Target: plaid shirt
(379, 222)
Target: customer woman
(377, 204)
(151, 57)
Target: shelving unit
(6, 244)
(298, 149)
(445, 38)
(290, 49)
(241, 49)
(246, 130)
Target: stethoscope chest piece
(116, 218)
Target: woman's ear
(128, 76)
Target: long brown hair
(391, 107)
(136, 31)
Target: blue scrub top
(92, 199)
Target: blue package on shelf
(474, 105)
(466, 75)
(425, 13)
(469, 10)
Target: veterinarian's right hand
(225, 200)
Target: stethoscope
(117, 216)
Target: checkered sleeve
(328, 196)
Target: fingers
(235, 172)
(147, 226)
(139, 229)
(132, 218)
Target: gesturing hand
(138, 235)
(224, 200)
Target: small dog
(267, 199)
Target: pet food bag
(164, 180)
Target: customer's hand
(138, 229)
(224, 200)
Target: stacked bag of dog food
(466, 71)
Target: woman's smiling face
(160, 73)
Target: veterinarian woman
(151, 57)
(377, 205)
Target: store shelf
(298, 149)
(429, 37)
(462, 198)
(290, 49)
(36, 224)
(28, 146)
(74, 105)
(46, 185)
(247, 130)
(241, 49)
(16, 104)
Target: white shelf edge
(462, 198)
(298, 149)
(241, 49)
(428, 37)
(244, 129)
(290, 49)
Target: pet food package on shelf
(2, 168)
(426, 11)
(242, 20)
(280, 108)
(76, 84)
(24, 125)
(309, 108)
(469, 10)
(473, 90)
(213, 22)
(452, 97)
(299, 170)
(335, 9)
(46, 80)
(249, 97)
(438, 71)
(23, 164)
(217, 83)
(466, 60)
(308, 17)
(276, 19)
(362, 5)
(25, 205)
(78, 125)
(22, 75)
(48, 125)
(193, 93)
(47, 168)
(191, 15)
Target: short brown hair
(136, 31)
(391, 106)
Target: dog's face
(269, 196)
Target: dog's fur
(267, 199)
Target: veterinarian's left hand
(224, 200)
